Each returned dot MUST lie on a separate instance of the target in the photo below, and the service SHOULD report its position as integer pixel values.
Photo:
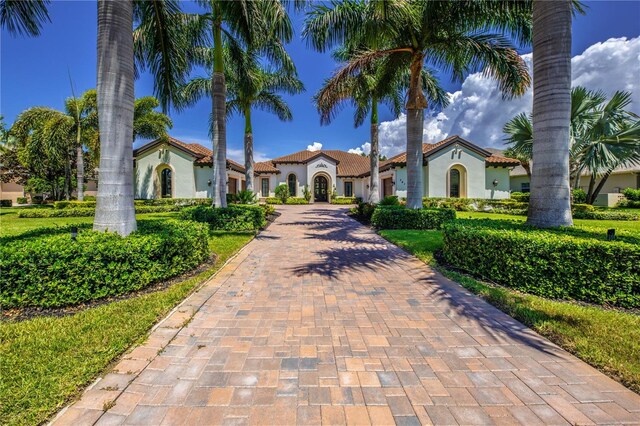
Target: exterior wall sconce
(495, 182)
(209, 182)
(393, 182)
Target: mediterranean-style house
(453, 167)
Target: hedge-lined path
(320, 320)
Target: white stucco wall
(515, 182)
(300, 170)
(616, 182)
(501, 174)
(325, 166)
(272, 177)
(203, 175)
(440, 163)
(146, 172)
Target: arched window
(454, 183)
(293, 187)
(165, 183)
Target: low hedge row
(235, 217)
(273, 200)
(179, 202)
(53, 271)
(552, 264)
(473, 204)
(6, 203)
(630, 204)
(399, 217)
(344, 200)
(296, 200)
(604, 215)
(86, 212)
(22, 200)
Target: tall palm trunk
(67, 177)
(248, 150)
(79, 165)
(374, 155)
(416, 104)
(595, 192)
(550, 202)
(219, 130)
(114, 209)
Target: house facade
(453, 167)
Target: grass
(607, 339)
(11, 224)
(47, 361)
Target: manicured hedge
(179, 202)
(22, 200)
(86, 212)
(604, 215)
(74, 204)
(630, 204)
(554, 264)
(232, 218)
(632, 194)
(522, 197)
(6, 203)
(474, 204)
(273, 200)
(296, 200)
(399, 217)
(344, 200)
(53, 271)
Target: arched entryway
(320, 188)
(457, 182)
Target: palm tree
(251, 86)
(84, 113)
(550, 200)
(161, 40)
(365, 90)
(451, 35)
(602, 136)
(234, 24)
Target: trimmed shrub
(632, 194)
(37, 199)
(268, 209)
(522, 197)
(630, 204)
(22, 200)
(578, 196)
(246, 197)
(272, 200)
(344, 200)
(89, 198)
(582, 208)
(398, 217)
(232, 218)
(364, 211)
(86, 212)
(604, 215)
(296, 200)
(6, 203)
(389, 200)
(282, 192)
(554, 264)
(53, 271)
(74, 204)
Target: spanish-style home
(453, 167)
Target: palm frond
(20, 17)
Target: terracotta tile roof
(498, 160)
(265, 167)
(347, 164)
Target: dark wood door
(387, 187)
(320, 189)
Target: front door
(320, 185)
(387, 187)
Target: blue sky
(35, 72)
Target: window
(165, 183)
(348, 189)
(454, 183)
(232, 186)
(525, 187)
(265, 187)
(292, 181)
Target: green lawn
(607, 339)
(47, 361)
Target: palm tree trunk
(67, 178)
(374, 155)
(592, 183)
(79, 165)
(598, 188)
(416, 104)
(550, 202)
(114, 209)
(248, 150)
(219, 130)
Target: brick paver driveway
(319, 320)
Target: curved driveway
(320, 320)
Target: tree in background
(602, 136)
(365, 90)
(453, 36)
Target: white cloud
(316, 146)
(478, 112)
(365, 149)
(237, 155)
